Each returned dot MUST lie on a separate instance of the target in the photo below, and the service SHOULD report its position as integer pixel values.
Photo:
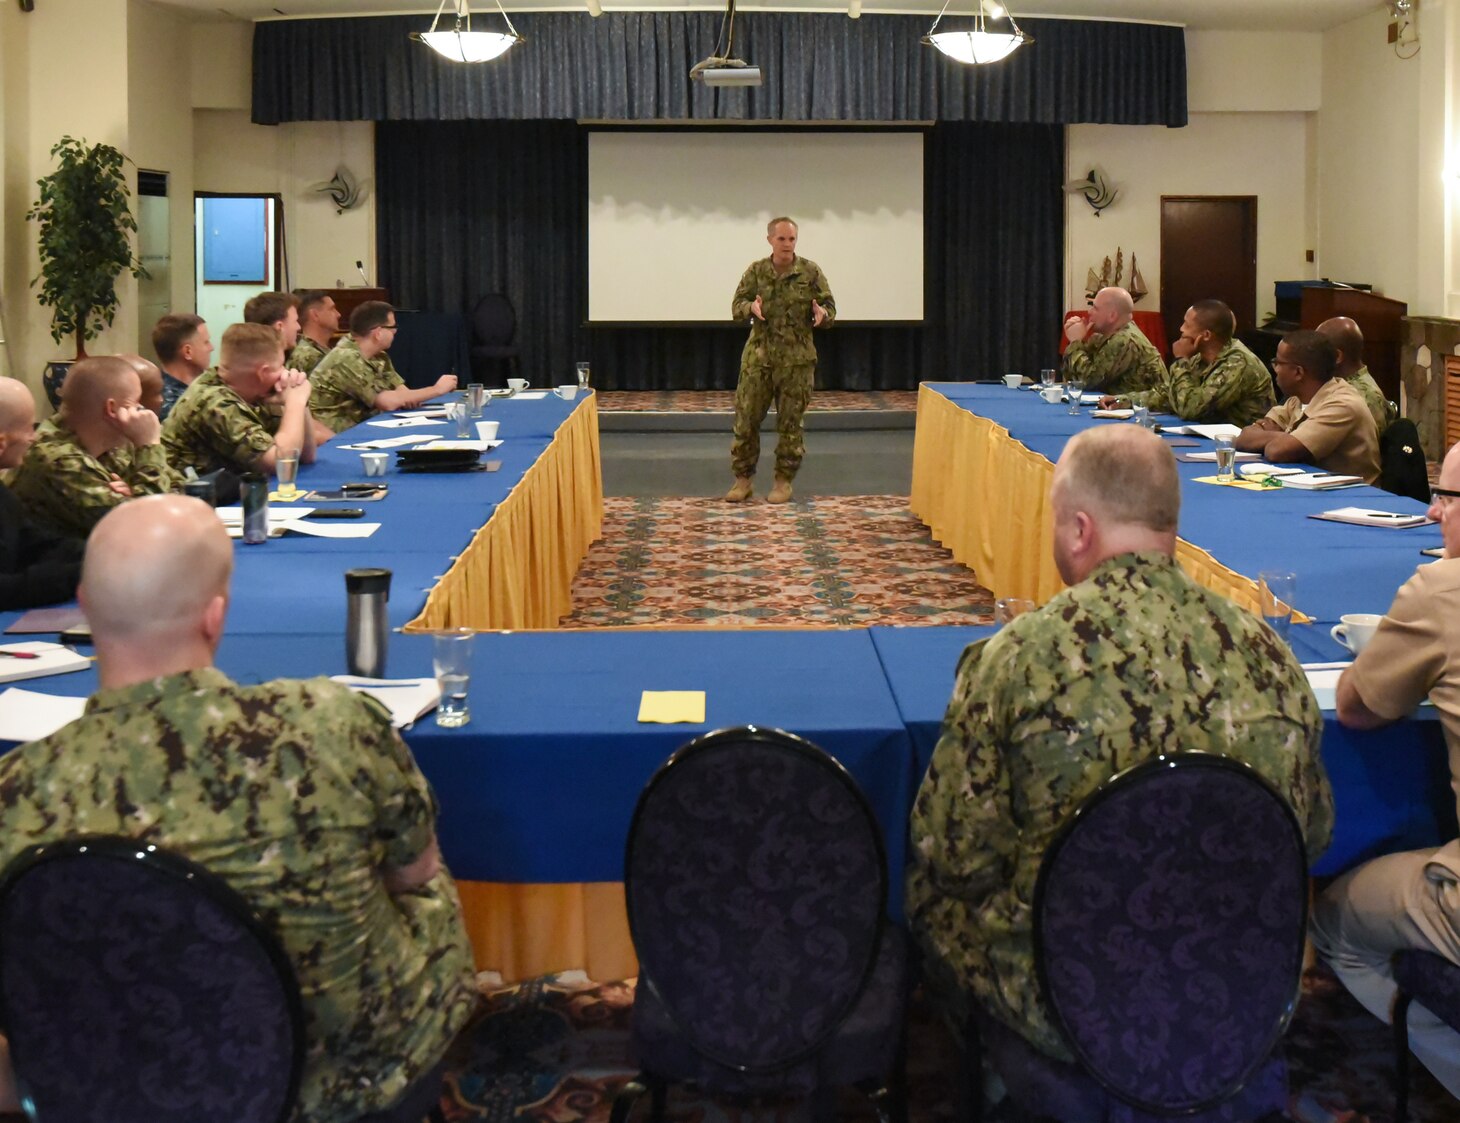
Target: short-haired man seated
(228, 424)
(184, 350)
(299, 794)
(1408, 900)
(357, 380)
(1323, 422)
(1348, 340)
(1133, 659)
(1214, 378)
(36, 566)
(1107, 351)
(100, 450)
(319, 319)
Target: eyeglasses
(1441, 496)
(391, 327)
(1285, 363)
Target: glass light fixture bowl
(469, 46)
(976, 48)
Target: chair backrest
(1169, 923)
(1402, 467)
(756, 885)
(494, 320)
(1432, 980)
(136, 986)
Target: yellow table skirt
(986, 497)
(522, 931)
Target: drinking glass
(286, 471)
(1141, 415)
(476, 398)
(583, 375)
(1046, 376)
(458, 412)
(1226, 458)
(1075, 388)
(1275, 591)
(451, 660)
(1007, 608)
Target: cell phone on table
(336, 513)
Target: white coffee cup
(373, 463)
(1355, 630)
(567, 393)
(1052, 394)
(518, 384)
(1013, 381)
(487, 430)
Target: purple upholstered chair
(1169, 922)
(756, 886)
(136, 986)
(1434, 982)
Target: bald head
(150, 378)
(1111, 310)
(153, 568)
(17, 421)
(1348, 341)
(91, 383)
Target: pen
(20, 654)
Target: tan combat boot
(781, 493)
(740, 492)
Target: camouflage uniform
(296, 794)
(1362, 381)
(1122, 362)
(778, 362)
(212, 427)
(66, 489)
(1234, 388)
(1056, 703)
(307, 355)
(346, 385)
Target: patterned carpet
(555, 1050)
(824, 562)
(723, 401)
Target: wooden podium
(1378, 318)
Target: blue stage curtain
(467, 208)
(634, 66)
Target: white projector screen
(674, 218)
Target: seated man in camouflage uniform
(228, 422)
(1214, 379)
(357, 380)
(784, 297)
(1348, 341)
(36, 566)
(1132, 659)
(299, 794)
(100, 450)
(319, 319)
(1108, 352)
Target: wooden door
(1208, 250)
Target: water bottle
(366, 624)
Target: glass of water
(1046, 376)
(1226, 455)
(1275, 591)
(1075, 388)
(584, 373)
(451, 660)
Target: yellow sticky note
(1245, 485)
(672, 707)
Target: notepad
(383, 443)
(1114, 414)
(1237, 482)
(1321, 481)
(50, 659)
(672, 707)
(342, 529)
(404, 422)
(28, 715)
(1362, 516)
(1210, 432)
(406, 698)
(47, 621)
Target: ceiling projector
(726, 72)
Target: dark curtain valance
(634, 66)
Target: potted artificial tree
(85, 223)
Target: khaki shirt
(1337, 429)
(783, 338)
(346, 385)
(297, 794)
(211, 427)
(1120, 363)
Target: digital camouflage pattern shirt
(1382, 409)
(1234, 388)
(297, 794)
(63, 488)
(1134, 660)
(346, 385)
(307, 355)
(212, 427)
(784, 336)
(1119, 363)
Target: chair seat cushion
(863, 1046)
(1433, 980)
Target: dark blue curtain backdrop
(466, 208)
(634, 66)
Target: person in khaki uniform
(1132, 658)
(100, 450)
(1412, 899)
(1348, 340)
(1214, 379)
(1323, 421)
(299, 794)
(248, 414)
(357, 380)
(1108, 352)
(784, 297)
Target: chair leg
(1401, 1057)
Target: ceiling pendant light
(993, 37)
(461, 43)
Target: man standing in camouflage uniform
(1348, 341)
(319, 319)
(1108, 352)
(229, 421)
(357, 380)
(297, 793)
(1215, 379)
(1133, 659)
(100, 450)
(784, 297)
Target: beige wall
(14, 183)
(1247, 71)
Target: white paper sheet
(1212, 456)
(1363, 516)
(1210, 432)
(464, 444)
(405, 698)
(528, 396)
(50, 659)
(233, 516)
(1323, 678)
(383, 443)
(333, 528)
(404, 422)
(27, 715)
